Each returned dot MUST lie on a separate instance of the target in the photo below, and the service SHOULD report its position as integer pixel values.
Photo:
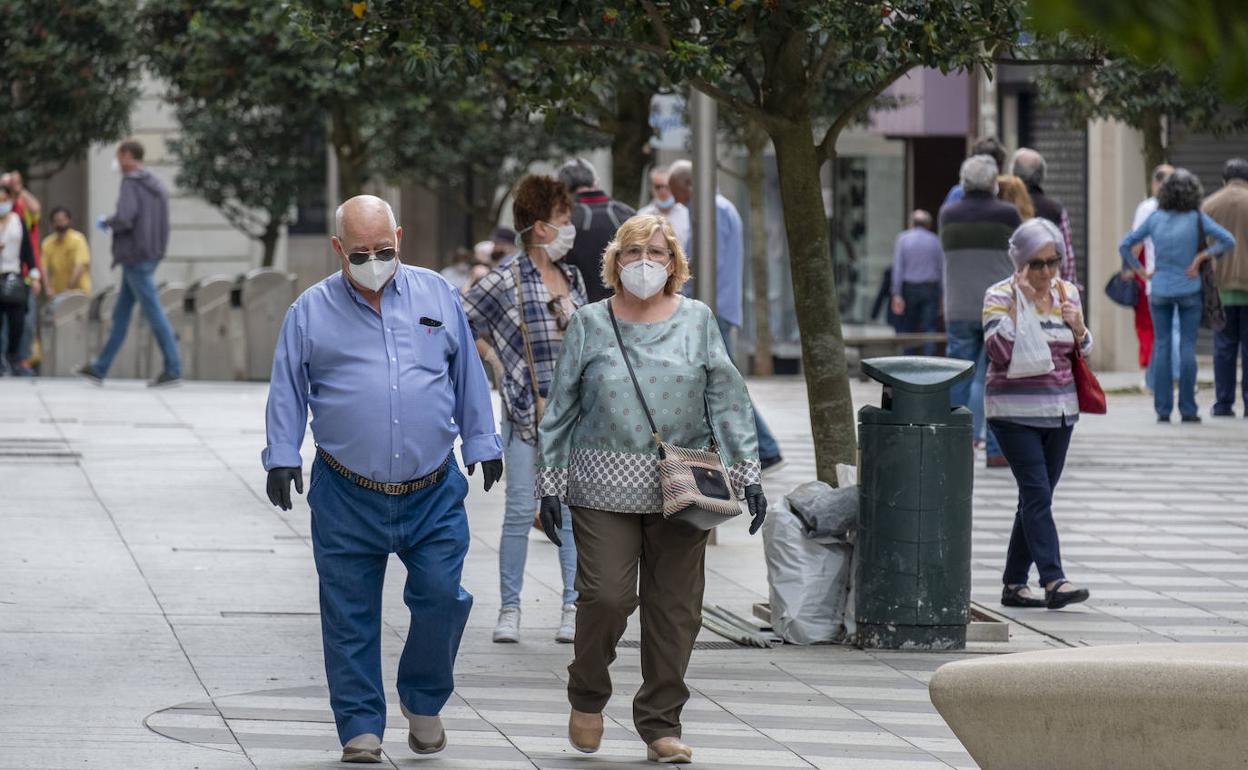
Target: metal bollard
(64, 333)
(913, 573)
(264, 297)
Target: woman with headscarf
(1033, 417)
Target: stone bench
(1162, 706)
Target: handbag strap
(524, 334)
(619, 339)
(1061, 297)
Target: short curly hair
(537, 198)
(1180, 192)
(637, 231)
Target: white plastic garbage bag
(808, 579)
(1031, 348)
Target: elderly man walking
(383, 355)
(914, 284)
(975, 235)
(1229, 208)
(1029, 166)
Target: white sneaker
(508, 629)
(567, 625)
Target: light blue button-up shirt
(389, 392)
(729, 261)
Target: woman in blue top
(1180, 249)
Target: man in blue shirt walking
(382, 354)
(918, 267)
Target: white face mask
(562, 244)
(644, 278)
(374, 273)
(115, 166)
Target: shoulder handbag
(12, 290)
(539, 403)
(1087, 387)
(1212, 314)
(1123, 290)
(695, 486)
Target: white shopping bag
(1031, 347)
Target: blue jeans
(922, 308)
(1163, 308)
(1230, 347)
(27, 347)
(139, 285)
(519, 505)
(354, 531)
(1037, 456)
(966, 341)
(768, 448)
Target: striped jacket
(1046, 400)
(975, 235)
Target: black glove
(551, 516)
(278, 486)
(757, 505)
(491, 471)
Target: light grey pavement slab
(146, 585)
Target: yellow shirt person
(66, 257)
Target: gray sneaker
(89, 373)
(508, 629)
(165, 380)
(363, 749)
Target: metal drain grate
(632, 644)
(42, 449)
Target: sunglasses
(381, 255)
(559, 311)
(1044, 264)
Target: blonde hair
(1012, 190)
(637, 231)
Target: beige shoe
(585, 731)
(363, 749)
(669, 751)
(425, 735)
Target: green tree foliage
(1204, 41)
(768, 60)
(69, 78)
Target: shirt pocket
(430, 348)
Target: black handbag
(12, 290)
(1123, 290)
(1212, 314)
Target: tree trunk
(1154, 150)
(815, 297)
(756, 145)
(630, 144)
(349, 152)
(268, 240)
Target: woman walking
(1033, 416)
(17, 266)
(599, 457)
(522, 308)
(1179, 230)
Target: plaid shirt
(491, 309)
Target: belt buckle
(391, 488)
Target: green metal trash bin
(913, 574)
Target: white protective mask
(115, 166)
(374, 273)
(562, 244)
(644, 278)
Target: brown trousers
(614, 550)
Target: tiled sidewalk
(144, 577)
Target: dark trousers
(1230, 346)
(922, 308)
(1036, 456)
(621, 558)
(15, 316)
(354, 531)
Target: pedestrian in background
(1229, 208)
(66, 256)
(596, 216)
(459, 270)
(1144, 254)
(729, 286)
(1180, 232)
(985, 145)
(915, 280)
(382, 355)
(1033, 417)
(140, 230)
(1012, 190)
(975, 235)
(598, 455)
(664, 204)
(521, 310)
(18, 277)
(28, 207)
(1029, 166)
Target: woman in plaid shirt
(528, 348)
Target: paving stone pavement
(157, 612)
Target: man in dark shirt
(1028, 165)
(596, 217)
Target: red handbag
(1087, 387)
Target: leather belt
(388, 488)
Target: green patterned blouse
(596, 447)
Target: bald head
(680, 181)
(921, 218)
(364, 223)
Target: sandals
(1011, 596)
(1055, 599)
